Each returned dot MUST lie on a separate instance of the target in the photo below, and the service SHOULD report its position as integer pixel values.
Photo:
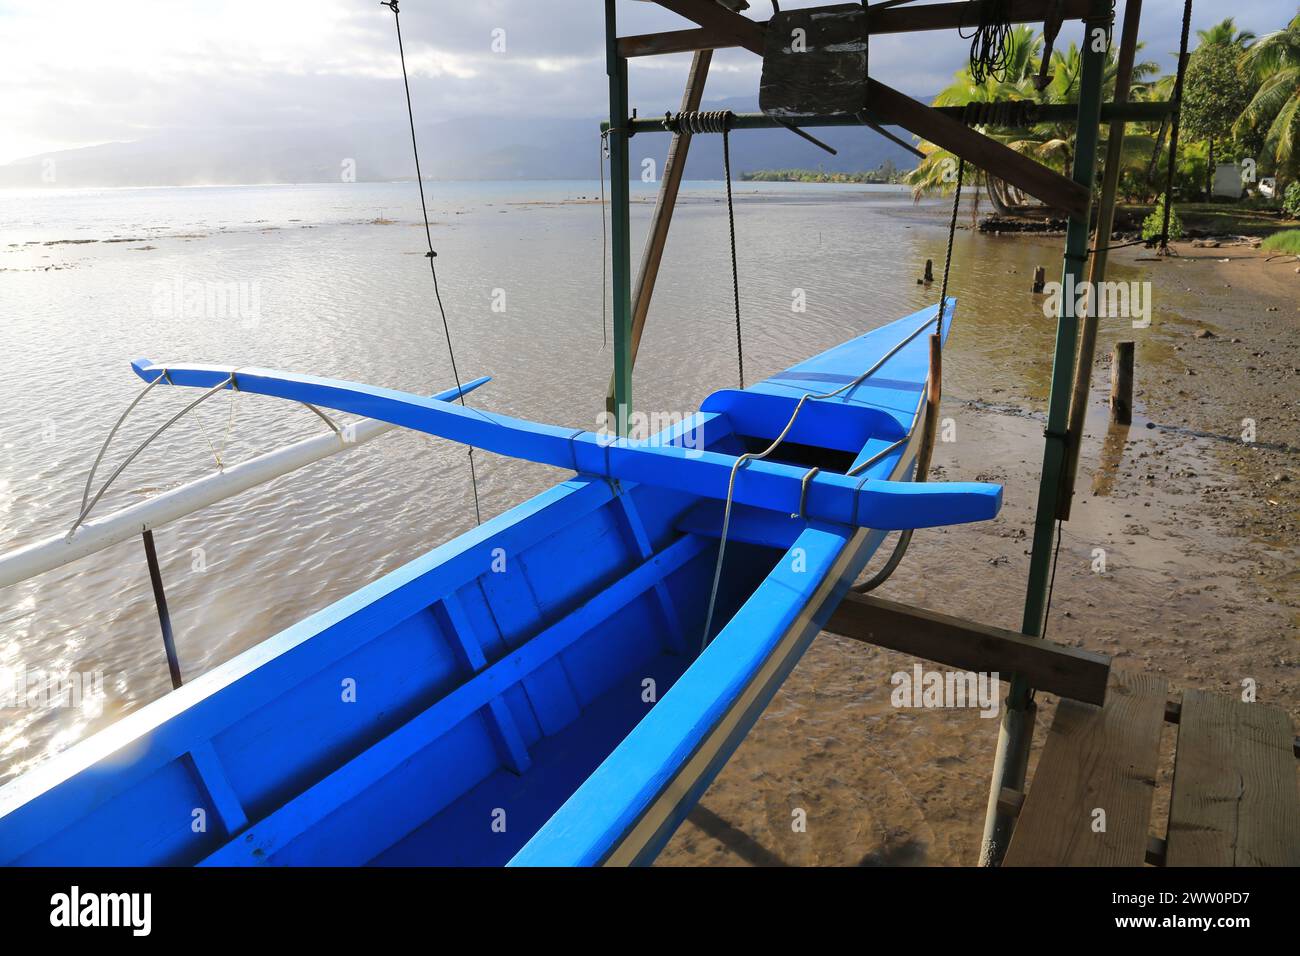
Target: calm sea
(332, 279)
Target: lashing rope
(431, 255)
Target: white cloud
(77, 72)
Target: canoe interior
(443, 714)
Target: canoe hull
(533, 691)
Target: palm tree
(1050, 143)
(1225, 33)
(1275, 108)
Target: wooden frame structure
(716, 27)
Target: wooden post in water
(1121, 384)
(1040, 280)
(929, 272)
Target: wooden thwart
(1067, 671)
(1096, 759)
(1234, 798)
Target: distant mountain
(472, 149)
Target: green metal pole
(1017, 730)
(620, 213)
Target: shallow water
(332, 280)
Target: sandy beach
(1201, 583)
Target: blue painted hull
(532, 692)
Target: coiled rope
(1013, 113)
(990, 49)
(431, 255)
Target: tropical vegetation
(1241, 103)
(886, 172)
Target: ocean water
(332, 280)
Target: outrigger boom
(667, 462)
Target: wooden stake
(1040, 280)
(1121, 384)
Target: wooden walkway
(1234, 800)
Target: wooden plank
(1234, 800)
(721, 22)
(825, 73)
(1095, 759)
(1067, 671)
(674, 41)
(891, 107)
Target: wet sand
(1202, 581)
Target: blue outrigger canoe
(533, 692)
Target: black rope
(431, 255)
(952, 231)
(731, 225)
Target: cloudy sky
(80, 72)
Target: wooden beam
(897, 109)
(720, 22)
(953, 16)
(674, 41)
(1067, 671)
(937, 16)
